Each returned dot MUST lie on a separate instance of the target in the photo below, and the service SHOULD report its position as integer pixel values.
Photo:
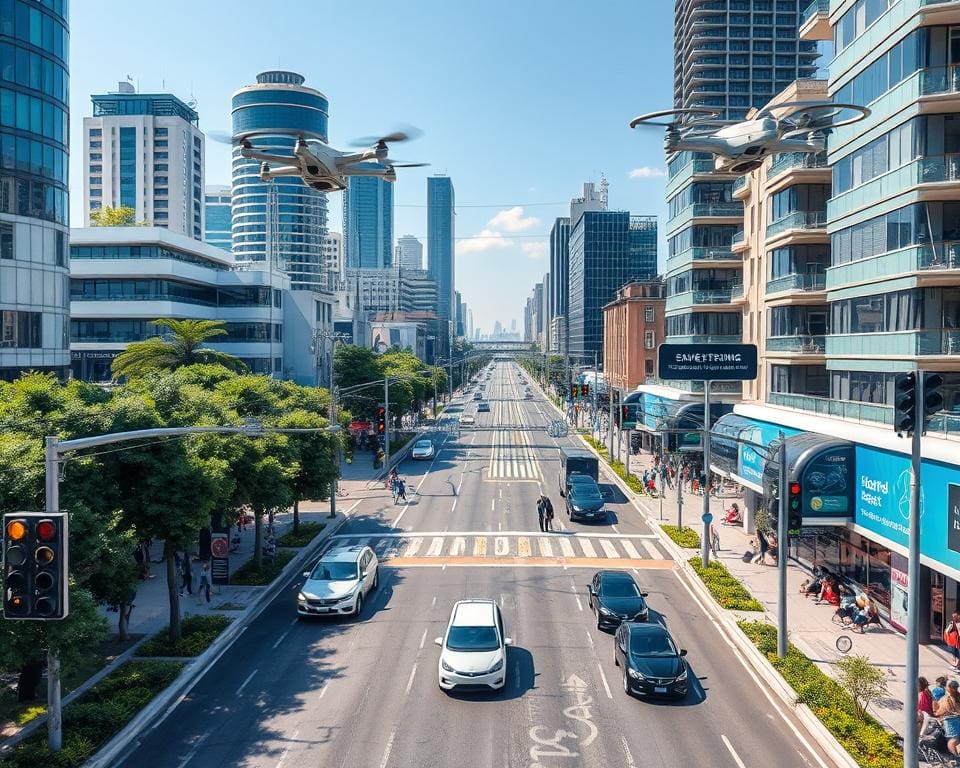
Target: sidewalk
(811, 627)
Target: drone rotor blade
(407, 165)
(652, 117)
(407, 133)
(221, 137)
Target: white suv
(473, 651)
(339, 582)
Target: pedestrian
(924, 700)
(763, 545)
(186, 574)
(402, 490)
(948, 708)
(951, 636)
(542, 513)
(203, 589)
(548, 512)
(940, 689)
(715, 540)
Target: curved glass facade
(293, 215)
(34, 136)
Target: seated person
(829, 592)
(863, 617)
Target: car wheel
(359, 607)
(376, 578)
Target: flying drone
(324, 168)
(741, 146)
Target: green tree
(315, 469)
(123, 216)
(862, 680)
(353, 366)
(185, 346)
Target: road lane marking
(323, 690)
(434, 601)
(286, 749)
(196, 748)
(576, 596)
(590, 639)
(402, 512)
(436, 547)
(480, 546)
(587, 548)
(608, 549)
(423, 639)
(281, 638)
(626, 751)
(732, 751)
(523, 546)
(413, 547)
(603, 677)
(244, 683)
(566, 549)
(630, 549)
(492, 505)
(410, 680)
(386, 752)
(652, 550)
(545, 549)
(459, 546)
(501, 546)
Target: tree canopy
(184, 345)
(122, 216)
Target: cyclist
(392, 478)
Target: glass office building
(34, 148)
(282, 218)
(559, 279)
(440, 243)
(218, 218)
(368, 222)
(607, 249)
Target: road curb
(728, 627)
(165, 701)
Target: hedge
(866, 740)
(633, 483)
(726, 590)
(684, 537)
(197, 632)
(95, 717)
(302, 537)
(248, 575)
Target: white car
(339, 582)
(422, 449)
(473, 652)
(467, 418)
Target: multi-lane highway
(344, 693)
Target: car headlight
(607, 611)
(682, 676)
(497, 667)
(446, 666)
(634, 674)
(301, 598)
(576, 508)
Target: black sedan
(615, 598)
(651, 662)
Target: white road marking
(402, 511)
(413, 547)
(492, 503)
(323, 690)
(630, 550)
(626, 751)
(603, 678)
(501, 546)
(576, 597)
(286, 749)
(545, 549)
(651, 550)
(480, 546)
(566, 548)
(281, 638)
(732, 751)
(608, 549)
(436, 547)
(386, 752)
(459, 546)
(434, 601)
(356, 539)
(196, 747)
(244, 683)
(590, 638)
(410, 680)
(423, 639)
(617, 530)
(587, 548)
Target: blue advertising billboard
(752, 460)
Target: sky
(519, 103)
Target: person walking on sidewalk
(541, 513)
(715, 540)
(951, 636)
(186, 574)
(763, 545)
(948, 709)
(203, 589)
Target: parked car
(615, 597)
(651, 662)
(483, 408)
(422, 449)
(473, 650)
(339, 582)
(467, 418)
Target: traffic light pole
(913, 579)
(386, 421)
(782, 534)
(610, 419)
(54, 706)
(706, 517)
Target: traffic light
(381, 420)
(576, 391)
(35, 565)
(795, 509)
(585, 390)
(905, 402)
(932, 396)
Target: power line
(487, 205)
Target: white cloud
(535, 250)
(512, 220)
(646, 172)
(487, 240)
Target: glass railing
(694, 166)
(934, 80)
(739, 183)
(706, 254)
(810, 345)
(825, 406)
(798, 282)
(926, 342)
(816, 8)
(716, 387)
(797, 220)
(930, 257)
(738, 237)
(717, 209)
(797, 160)
(731, 338)
(736, 291)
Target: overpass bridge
(503, 346)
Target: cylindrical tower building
(292, 219)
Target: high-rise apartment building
(34, 200)
(410, 252)
(282, 220)
(440, 243)
(607, 249)
(217, 217)
(459, 327)
(332, 250)
(559, 284)
(368, 223)
(418, 293)
(145, 151)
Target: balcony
(929, 260)
(689, 299)
(738, 239)
(797, 161)
(903, 344)
(741, 190)
(686, 257)
(704, 211)
(734, 338)
(815, 21)
(803, 345)
(931, 169)
(804, 221)
(798, 282)
(825, 406)
(678, 177)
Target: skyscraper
(744, 53)
(145, 151)
(411, 252)
(217, 218)
(459, 328)
(284, 215)
(440, 242)
(559, 284)
(34, 148)
(332, 249)
(368, 223)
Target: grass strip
(196, 635)
(726, 590)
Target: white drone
(324, 168)
(739, 147)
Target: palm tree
(182, 346)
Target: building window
(6, 241)
(648, 366)
(61, 254)
(649, 339)
(649, 314)
(21, 330)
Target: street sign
(707, 362)
(707, 518)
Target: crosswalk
(512, 548)
(512, 457)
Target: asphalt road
(364, 692)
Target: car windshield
(422, 444)
(334, 572)
(472, 639)
(652, 644)
(585, 492)
(619, 588)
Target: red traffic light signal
(381, 420)
(585, 390)
(35, 566)
(794, 489)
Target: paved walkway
(811, 627)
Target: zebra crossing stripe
(413, 547)
(587, 547)
(651, 549)
(523, 546)
(480, 546)
(566, 548)
(501, 546)
(436, 547)
(545, 549)
(608, 549)
(459, 546)
(630, 550)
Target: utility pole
(913, 577)
(386, 421)
(610, 418)
(706, 517)
(54, 710)
(782, 527)
(336, 444)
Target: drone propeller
(651, 118)
(407, 134)
(806, 116)
(392, 164)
